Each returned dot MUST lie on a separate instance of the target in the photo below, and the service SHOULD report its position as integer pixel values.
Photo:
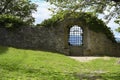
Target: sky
(43, 13)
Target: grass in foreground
(35, 65)
(18, 64)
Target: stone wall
(56, 39)
(96, 44)
(39, 38)
(99, 44)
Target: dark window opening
(75, 36)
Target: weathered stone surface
(56, 39)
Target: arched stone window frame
(67, 27)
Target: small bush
(10, 21)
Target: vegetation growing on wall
(92, 22)
(55, 19)
(112, 7)
(10, 21)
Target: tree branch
(6, 5)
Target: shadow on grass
(99, 76)
(38, 49)
(3, 50)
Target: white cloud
(42, 12)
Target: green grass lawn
(19, 64)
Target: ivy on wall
(60, 16)
(92, 22)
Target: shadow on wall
(3, 50)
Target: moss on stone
(92, 22)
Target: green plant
(21, 8)
(10, 22)
(55, 19)
(19, 64)
(92, 22)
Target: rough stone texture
(55, 38)
(100, 44)
(40, 38)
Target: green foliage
(10, 21)
(36, 65)
(118, 29)
(18, 64)
(118, 22)
(88, 19)
(98, 25)
(94, 6)
(55, 19)
(21, 8)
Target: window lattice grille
(75, 36)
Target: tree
(112, 7)
(19, 8)
(118, 22)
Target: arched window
(75, 36)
